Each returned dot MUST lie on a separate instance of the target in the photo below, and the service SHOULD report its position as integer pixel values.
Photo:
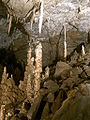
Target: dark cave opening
(14, 66)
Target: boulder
(51, 86)
(87, 71)
(62, 70)
(76, 106)
(58, 101)
(70, 83)
(75, 72)
(85, 89)
(50, 97)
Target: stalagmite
(2, 112)
(83, 50)
(8, 116)
(11, 76)
(4, 76)
(41, 16)
(65, 43)
(47, 72)
(33, 73)
(10, 24)
(30, 77)
(38, 68)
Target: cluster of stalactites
(37, 6)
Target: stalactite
(41, 16)
(2, 112)
(83, 50)
(8, 17)
(65, 43)
(10, 24)
(80, 8)
(38, 68)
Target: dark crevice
(3, 11)
(14, 67)
(40, 110)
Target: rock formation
(49, 78)
(46, 99)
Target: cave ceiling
(75, 13)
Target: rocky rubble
(64, 97)
(76, 106)
(61, 90)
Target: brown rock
(50, 97)
(34, 108)
(58, 101)
(76, 107)
(51, 86)
(46, 113)
(62, 70)
(87, 71)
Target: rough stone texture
(50, 97)
(34, 108)
(87, 70)
(58, 101)
(20, 9)
(85, 89)
(76, 107)
(10, 93)
(73, 105)
(46, 113)
(51, 86)
(56, 13)
(64, 99)
(62, 70)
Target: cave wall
(56, 13)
